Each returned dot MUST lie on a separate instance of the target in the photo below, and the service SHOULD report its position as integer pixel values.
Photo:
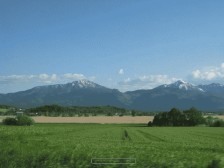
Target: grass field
(2, 110)
(74, 145)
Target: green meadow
(91, 145)
(3, 110)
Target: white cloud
(15, 78)
(43, 78)
(212, 73)
(13, 83)
(74, 76)
(222, 65)
(31, 76)
(121, 72)
(145, 82)
(127, 80)
(92, 78)
(54, 77)
(196, 73)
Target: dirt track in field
(95, 119)
(220, 116)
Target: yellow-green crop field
(77, 145)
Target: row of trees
(191, 117)
(7, 110)
(69, 111)
(18, 120)
(175, 117)
(214, 122)
(56, 110)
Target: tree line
(176, 117)
(69, 111)
(18, 120)
(190, 117)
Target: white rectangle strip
(107, 161)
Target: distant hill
(179, 94)
(77, 93)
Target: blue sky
(123, 44)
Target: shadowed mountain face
(86, 93)
(214, 89)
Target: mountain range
(179, 94)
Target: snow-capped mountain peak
(182, 85)
(83, 83)
(180, 82)
(80, 84)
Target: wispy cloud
(45, 78)
(212, 73)
(121, 71)
(15, 78)
(73, 76)
(145, 82)
(42, 78)
(222, 65)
